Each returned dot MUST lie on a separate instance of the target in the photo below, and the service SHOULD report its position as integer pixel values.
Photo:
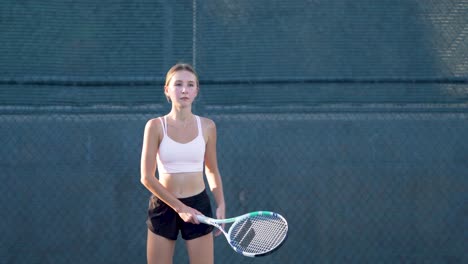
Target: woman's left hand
(220, 214)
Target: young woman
(178, 145)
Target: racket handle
(202, 218)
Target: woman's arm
(151, 140)
(211, 170)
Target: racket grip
(202, 218)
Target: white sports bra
(175, 157)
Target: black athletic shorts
(164, 221)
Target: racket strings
(259, 234)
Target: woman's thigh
(159, 249)
(201, 249)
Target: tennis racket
(253, 234)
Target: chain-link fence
(380, 188)
(348, 118)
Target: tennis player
(179, 145)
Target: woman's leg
(159, 250)
(201, 249)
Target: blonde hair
(180, 67)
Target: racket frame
(218, 224)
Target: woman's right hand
(189, 215)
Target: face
(182, 88)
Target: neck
(180, 114)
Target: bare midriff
(183, 185)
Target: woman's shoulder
(154, 124)
(206, 122)
(155, 120)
